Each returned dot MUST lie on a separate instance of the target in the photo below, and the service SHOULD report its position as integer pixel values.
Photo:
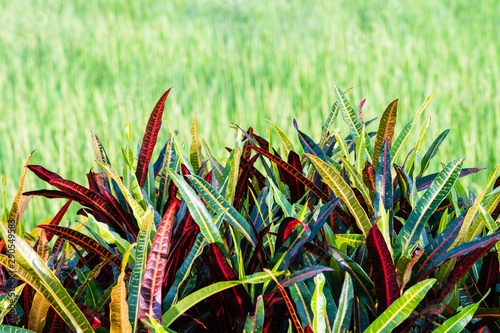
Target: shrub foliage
(331, 236)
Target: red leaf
(150, 300)
(237, 299)
(149, 140)
(294, 173)
(386, 285)
(285, 229)
(43, 173)
(83, 241)
(57, 219)
(462, 268)
(96, 201)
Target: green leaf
(358, 182)
(31, 269)
(405, 133)
(401, 308)
(416, 155)
(13, 329)
(360, 152)
(432, 151)
(349, 114)
(232, 171)
(90, 276)
(457, 323)
(216, 167)
(219, 204)
(344, 311)
(154, 326)
(285, 141)
(195, 156)
(281, 200)
(8, 299)
(343, 191)
(437, 192)
(331, 118)
(141, 252)
(255, 323)
(318, 304)
(186, 303)
(470, 230)
(198, 211)
(302, 298)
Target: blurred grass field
(69, 67)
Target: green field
(69, 67)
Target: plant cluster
(337, 239)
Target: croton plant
(329, 236)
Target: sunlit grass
(71, 67)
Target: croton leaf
(149, 140)
(386, 285)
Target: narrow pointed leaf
(458, 321)
(219, 204)
(198, 211)
(344, 310)
(304, 274)
(310, 147)
(149, 140)
(361, 281)
(343, 191)
(428, 203)
(136, 207)
(383, 183)
(141, 251)
(195, 155)
(84, 241)
(332, 115)
(150, 296)
(12, 218)
(385, 130)
(294, 172)
(32, 270)
(432, 150)
(255, 323)
(287, 144)
(182, 306)
(118, 309)
(318, 304)
(405, 133)
(386, 285)
(349, 114)
(401, 308)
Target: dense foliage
(339, 238)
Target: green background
(69, 67)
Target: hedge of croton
(328, 236)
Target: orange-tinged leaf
(385, 129)
(84, 241)
(118, 309)
(15, 205)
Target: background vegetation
(71, 67)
